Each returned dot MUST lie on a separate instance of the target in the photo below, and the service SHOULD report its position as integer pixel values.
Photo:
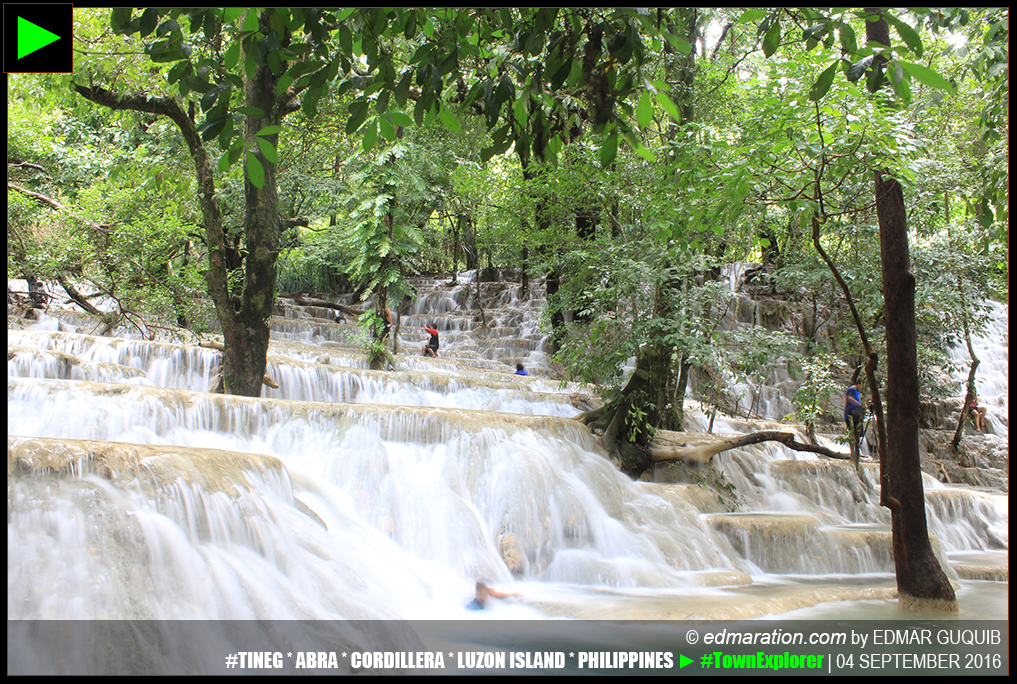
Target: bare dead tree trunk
(920, 579)
(921, 582)
(970, 394)
(108, 320)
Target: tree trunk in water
(921, 582)
(660, 359)
(648, 401)
(245, 326)
(247, 335)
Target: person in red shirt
(977, 413)
(431, 348)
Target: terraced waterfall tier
(357, 494)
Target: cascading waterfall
(356, 494)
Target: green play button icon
(683, 661)
(32, 37)
(38, 38)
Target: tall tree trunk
(921, 582)
(246, 353)
(660, 361)
(542, 220)
(524, 279)
(245, 325)
(681, 69)
(552, 283)
(470, 248)
(970, 393)
(456, 230)
(650, 398)
(684, 367)
(586, 229)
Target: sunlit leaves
(268, 151)
(823, 83)
(751, 15)
(907, 34)
(771, 39)
(642, 151)
(370, 137)
(609, 149)
(232, 56)
(231, 157)
(667, 105)
(678, 43)
(929, 77)
(231, 14)
(449, 120)
(400, 118)
(644, 111)
(255, 171)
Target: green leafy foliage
(424, 139)
(391, 199)
(124, 232)
(820, 381)
(371, 325)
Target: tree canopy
(630, 150)
(596, 108)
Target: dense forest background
(199, 161)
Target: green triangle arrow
(32, 37)
(683, 661)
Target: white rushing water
(349, 493)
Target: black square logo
(37, 38)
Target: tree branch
(701, 453)
(215, 239)
(25, 165)
(108, 320)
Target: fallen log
(299, 298)
(700, 453)
(109, 320)
(213, 344)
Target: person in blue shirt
(484, 592)
(520, 370)
(853, 415)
